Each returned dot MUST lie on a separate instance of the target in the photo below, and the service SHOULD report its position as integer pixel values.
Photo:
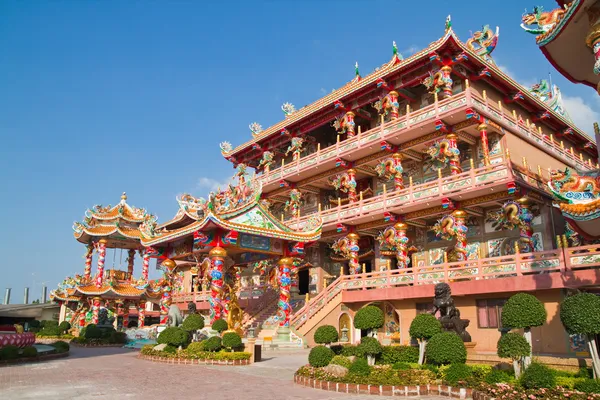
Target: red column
(350, 124)
(455, 168)
(354, 265)
(101, 258)
(95, 309)
(398, 179)
(126, 306)
(482, 128)
(285, 266)
(352, 197)
(88, 262)
(394, 105)
(401, 245)
(130, 258)
(145, 264)
(217, 260)
(142, 314)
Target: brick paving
(111, 373)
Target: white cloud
(211, 184)
(581, 113)
(323, 91)
(410, 50)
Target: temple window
(488, 313)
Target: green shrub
(514, 346)
(341, 360)
(9, 352)
(170, 349)
(446, 348)
(457, 374)
(398, 354)
(219, 325)
(61, 347)
(416, 377)
(368, 318)
(523, 310)
(192, 323)
(350, 350)
(107, 332)
(424, 327)
(320, 356)
(480, 371)
(118, 337)
(29, 352)
(588, 386)
(64, 326)
(212, 343)
(360, 367)
(195, 347)
(34, 324)
(173, 336)
(326, 334)
(337, 349)
(401, 366)
(584, 372)
(498, 376)
(47, 323)
(50, 331)
(568, 382)
(580, 314)
(370, 346)
(231, 340)
(538, 376)
(92, 332)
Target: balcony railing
(553, 261)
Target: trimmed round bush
(9, 352)
(92, 332)
(360, 367)
(370, 346)
(212, 343)
(498, 376)
(170, 349)
(231, 340)
(399, 354)
(30, 352)
(47, 323)
(523, 310)
(369, 317)
(320, 356)
(192, 323)
(538, 376)
(50, 331)
(341, 360)
(61, 346)
(580, 314)
(173, 336)
(219, 325)
(326, 334)
(401, 366)
(107, 332)
(118, 337)
(424, 327)
(588, 386)
(64, 326)
(195, 347)
(34, 323)
(457, 373)
(514, 346)
(446, 348)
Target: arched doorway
(345, 328)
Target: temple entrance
(303, 281)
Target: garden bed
(46, 357)
(192, 361)
(77, 344)
(50, 340)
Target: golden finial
(124, 196)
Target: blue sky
(98, 98)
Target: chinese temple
(437, 167)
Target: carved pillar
(130, 258)
(145, 263)
(350, 124)
(217, 259)
(351, 186)
(525, 229)
(354, 265)
(401, 245)
(285, 281)
(394, 105)
(485, 147)
(126, 306)
(166, 300)
(82, 317)
(95, 309)
(460, 248)
(118, 312)
(101, 258)
(446, 71)
(398, 179)
(142, 314)
(87, 274)
(454, 161)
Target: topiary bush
(192, 323)
(341, 360)
(30, 352)
(588, 386)
(423, 328)
(371, 348)
(61, 347)
(522, 311)
(231, 341)
(326, 334)
(401, 366)
(47, 323)
(498, 376)
(9, 352)
(195, 347)
(351, 350)
(219, 325)
(320, 356)
(170, 349)
(446, 348)
(173, 336)
(538, 376)
(92, 332)
(369, 318)
(360, 367)
(212, 343)
(457, 374)
(64, 326)
(50, 331)
(118, 337)
(391, 355)
(514, 346)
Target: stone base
(283, 334)
(470, 346)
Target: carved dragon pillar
(217, 260)
(130, 258)
(349, 124)
(401, 245)
(461, 235)
(391, 168)
(142, 314)
(485, 147)
(145, 263)
(95, 309)
(525, 229)
(353, 248)
(454, 160)
(346, 183)
(88, 262)
(126, 314)
(447, 82)
(101, 259)
(166, 287)
(285, 266)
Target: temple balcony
(573, 267)
(406, 132)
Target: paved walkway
(111, 373)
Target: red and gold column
(145, 264)
(88, 262)
(398, 170)
(446, 78)
(166, 299)
(525, 229)
(353, 248)
(394, 105)
(217, 260)
(101, 259)
(351, 185)
(454, 161)
(95, 309)
(285, 281)
(349, 124)
(126, 306)
(461, 235)
(485, 147)
(130, 258)
(401, 245)
(142, 314)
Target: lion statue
(449, 314)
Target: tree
(326, 335)
(193, 322)
(219, 325)
(580, 314)
(231, 341)
(369, 318)
(423, 328)
(523, 311)
(446, 348)
(515, 347)
(371, 347)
